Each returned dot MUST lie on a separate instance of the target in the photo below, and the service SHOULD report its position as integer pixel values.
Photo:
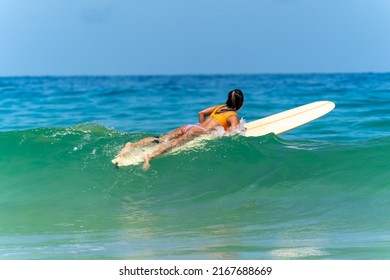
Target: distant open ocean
(321, 191)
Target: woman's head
(235, 99)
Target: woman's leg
(148, 140)
(141, 142)
(186, 137)
(174, 134)
(169, 136)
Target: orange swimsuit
(222, 117)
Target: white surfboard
(290, 119)
(277, 124)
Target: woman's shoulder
(213, 108)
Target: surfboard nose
(290, 119)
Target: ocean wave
(233, 161)
(62, 181)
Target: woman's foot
(146, 165)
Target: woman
(222, 115)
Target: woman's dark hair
(235, 99)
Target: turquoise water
(321, 191)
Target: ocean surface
(321, 191)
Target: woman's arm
(205, 113)
(233, 122)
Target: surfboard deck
(277, 124)
(290, 119)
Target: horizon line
(195, 74)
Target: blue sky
(131, 37)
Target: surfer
(221, 115)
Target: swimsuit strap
(215, 110)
